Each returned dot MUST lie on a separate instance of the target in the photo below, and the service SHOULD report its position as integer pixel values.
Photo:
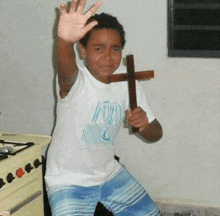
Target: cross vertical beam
(131, 85)
(131, 76)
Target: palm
(72, 26)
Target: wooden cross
(131, 76)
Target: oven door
(24, 197)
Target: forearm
(152, 132)
(66, 60)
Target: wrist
(144, 130)
(153, 132)
(63, 42)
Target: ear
(82, 51)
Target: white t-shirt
(88, 119)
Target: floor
(176, 209)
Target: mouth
(108, 69)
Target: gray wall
(184, 95)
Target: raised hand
(73, 25)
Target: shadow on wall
(54, 62)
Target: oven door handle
(25, 202)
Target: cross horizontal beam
(141, 75)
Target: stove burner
(6, 149)
(12, 148)
(16, 143)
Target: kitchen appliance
(21, 188)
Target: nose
(108, 55)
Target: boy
(81, 169)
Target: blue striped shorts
(122, 195)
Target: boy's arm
(151, 132)
(72, 27)
(67, 68)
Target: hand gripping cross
(131, 76)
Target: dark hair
(105, 21)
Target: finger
(62, 8)
(90, 26)
(93, 9)
(139, 123)
(81, 6)
(137, 117)
(134, 124)
(132, 114)
(137, 110)
(73, 6)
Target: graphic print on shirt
(106, 120)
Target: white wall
(184, 165)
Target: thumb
(129, 112)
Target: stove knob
(37, 163)
(20, 172)
(2, 183)
(10, 177)
(28, 168)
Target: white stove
(21, 191)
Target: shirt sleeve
(142, 102)
(74, 91)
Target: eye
(117, 49)
(98, 48)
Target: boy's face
(102, 53)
